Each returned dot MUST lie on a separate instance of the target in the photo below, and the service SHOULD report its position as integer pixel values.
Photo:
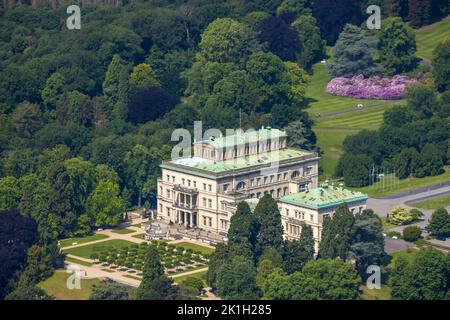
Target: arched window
(240, 185)
(295, 174)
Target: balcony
(305, 178)
(185, 205)
(184, 189)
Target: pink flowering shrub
(373, 87)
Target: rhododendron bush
(373, 87)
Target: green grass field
(331, 131)
(195, 247)
(200, 275)
(432, 204)
(87, 250)
(68, 242)
(78, 261)
(430, 36)
(387, 225)
(123, 231)
(323, 102)
(408, 254)
(56, 286)
(376, 294)
(393, 185)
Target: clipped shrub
(400, 216)
(411, 233)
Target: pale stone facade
(312, 206)
(203, 191)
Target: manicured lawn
(94, 237)
(408, 254)
(323, 102)
(429, 37)
(132, 277)
(87, 250)
(78, 261)
(387, 225)
(331, 131)
(108, 270)
(131, 255)
(330, 142)
(201, 275)
(195, 247)
(393, 185)
(432, 204)
(137, 225)
(56, 286)
(123, 231)
(376, 294)
(139, 236)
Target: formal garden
(175, 258)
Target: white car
(394, 237)
(359, 106)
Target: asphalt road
(382, 206)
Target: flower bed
(369, 88)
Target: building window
(204, 220)
(311, 217)
(279, 177)
(209, 222)
(168, 193)
(265, 180)
(271, 178)
(209, 187)
(285, 191)
(240, 185)
(225, 187)
(195, 184)
(168, 212)
(204, 202)
(258, 181)
(285, 175)
(209, 203)
(287, 212)
(160, 190)
(189, 183)
(168, 178)
(173, 179)
(182, 181)
(252, 182)
(258, 195)
(223, 224)
(204, 186)
(160, 208)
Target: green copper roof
(262, 159)
(323, 197)
(246, 137)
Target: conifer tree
(155, 284)
(270, 230)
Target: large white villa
(203, 191)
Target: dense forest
(86, 116)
